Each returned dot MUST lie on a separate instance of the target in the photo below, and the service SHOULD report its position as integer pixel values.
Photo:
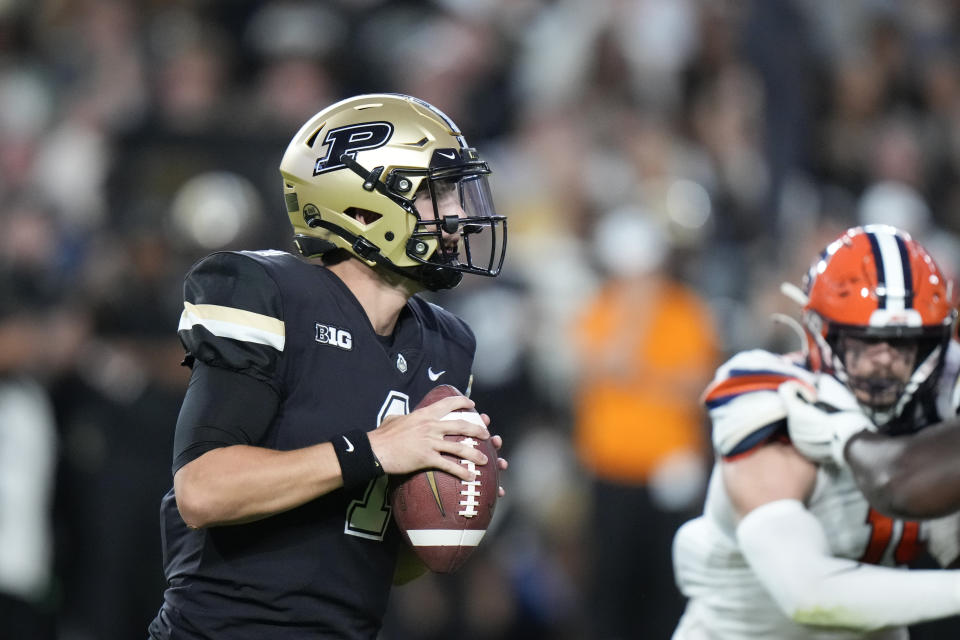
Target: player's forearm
(909, 477)
(240, 483)
(787, 549)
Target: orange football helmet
(877, 284)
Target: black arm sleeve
(221, 408)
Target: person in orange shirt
(646, 347)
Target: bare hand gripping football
(442, 517)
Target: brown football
(442, 517)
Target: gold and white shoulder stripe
(237, 324)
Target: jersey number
(881, 533)
(369, 517)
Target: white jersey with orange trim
(726, 599)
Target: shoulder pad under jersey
(744, 406)
(232, 313)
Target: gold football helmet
(352, 177)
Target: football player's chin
(877, 398)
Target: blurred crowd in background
(664, 165)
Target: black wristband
(358, 464)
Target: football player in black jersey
(305, 371)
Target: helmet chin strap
(920, 375)
(880, 415)
(433, 277)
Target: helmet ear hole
(362, 216)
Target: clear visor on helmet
(458, 215)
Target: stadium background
(136, 137)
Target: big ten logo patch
(328, 334)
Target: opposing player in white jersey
(789, 548)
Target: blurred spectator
(897, 205)
(646, 349)
(779, 46)
(116, 413)
(293, 42)
(902, 206)
(193, 75)
(27, 464)
(37, 339)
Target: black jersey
(325, 568)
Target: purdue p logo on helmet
(349, 140)
(378, 154)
